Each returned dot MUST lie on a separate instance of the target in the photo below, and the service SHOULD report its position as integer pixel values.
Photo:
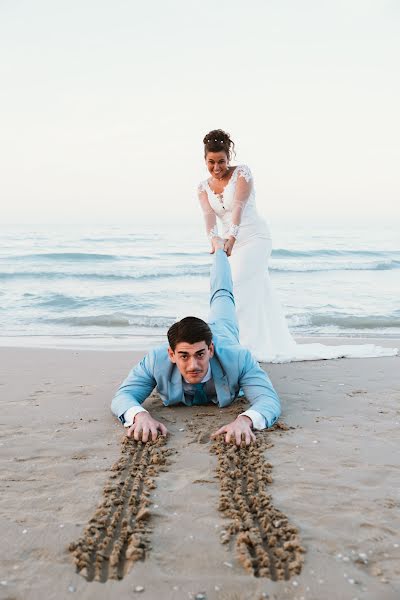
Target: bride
(227, 199)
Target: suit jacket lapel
(175, 387)
(221, 382)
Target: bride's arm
(243, 188)
(209, 217)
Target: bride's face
(217, 164)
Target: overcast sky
(103, 106)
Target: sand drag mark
(118, 533)
(264, 541)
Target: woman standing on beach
(227, 199)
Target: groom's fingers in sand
(138, 433)
(222, 429)
(163, 429)
(134, 431)
(228, 436)
(142, 432)
(249, 437)
(152, 429)
(130, 430)
(145, 433)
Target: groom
(201, 364)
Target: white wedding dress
(262, 325)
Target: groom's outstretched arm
(135, 388)
(129, 398)
(264, 400)
(258, 389)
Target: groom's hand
(144, 426)
(241, 426)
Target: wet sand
(203, 521)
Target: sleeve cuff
(130, 414)
(256, 417)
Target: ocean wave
(130, 238)
(96, 257)
(310, 268)
(114, 320)
(190, 270)
(277, 254)
(179, 271)
(121, 319)
(284, 253)
(345, 321)
(63, 301)
(183, 254)
(70, 256)
(92, 257)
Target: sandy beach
(335, 477)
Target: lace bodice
(235, 206)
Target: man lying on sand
(202, 364)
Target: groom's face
(192, 360)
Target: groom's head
(191, 347)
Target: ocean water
(124, 286)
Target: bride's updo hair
(217, 140)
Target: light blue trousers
(222, 314)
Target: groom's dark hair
(189, 330)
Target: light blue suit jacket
(233, 367)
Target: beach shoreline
(335, 476)
(142, 343)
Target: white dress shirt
(256, 418)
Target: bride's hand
(229, 243)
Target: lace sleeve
(243, 188)
(208, 213)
